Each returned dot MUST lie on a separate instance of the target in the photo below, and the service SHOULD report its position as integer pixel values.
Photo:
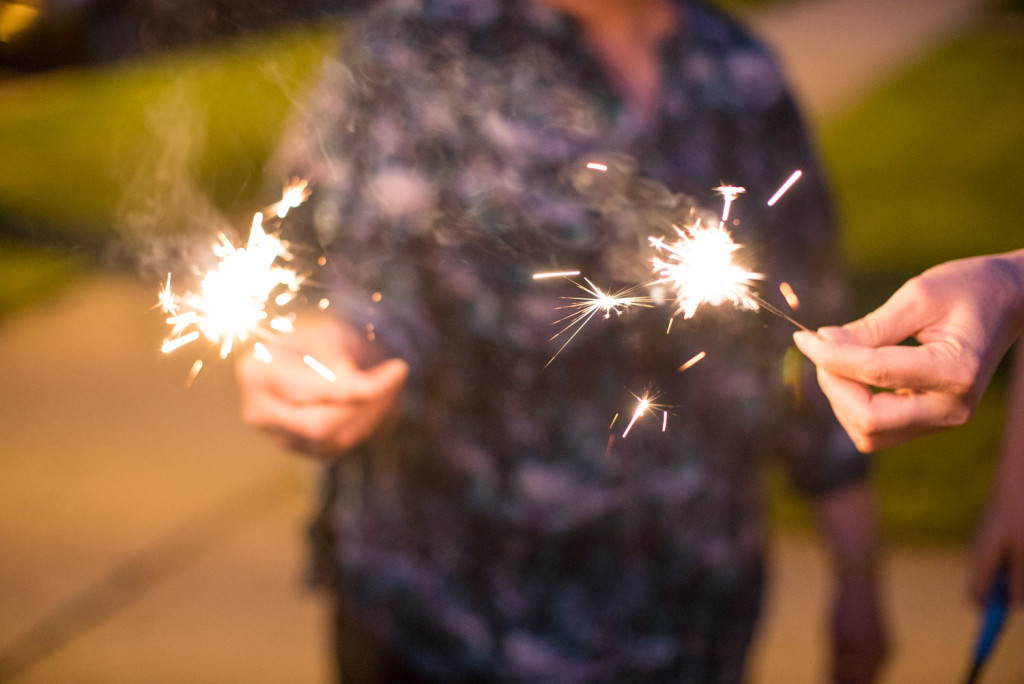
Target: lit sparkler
(699, 268)
(239, 297)
(597, 301)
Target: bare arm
(1000, 538)
(859, 636)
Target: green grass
(31, 274)
(927, 168)
(81, 144)
(161, 138)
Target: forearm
(1011, 265)
(858, 633)
(1011, 465)
(999, 542)
(848, 522)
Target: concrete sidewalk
(146, 535)
(836, 50)
(169, 547)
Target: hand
(1000, 539)
(303, 411)
(965, 314)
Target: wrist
(1013, 268)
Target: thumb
(900, 317)
(384, 378)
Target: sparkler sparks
(295, 193)
(260, 351)
(585, 308)
(787, 291)
(693, 361)
(785, 186)
(238, 297)
(322, 370)
(729, 193)
(645, 404)
(555, 274)
(699, 268)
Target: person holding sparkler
(482, 521)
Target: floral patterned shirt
(506, 529)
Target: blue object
(996, 607)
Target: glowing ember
(692, 362)
(729, 193)
(324, 372)
(260, 351)
(555, 274)
(785, 186)
(787, 291)
(295, 193)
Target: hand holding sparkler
(965, 314)
(304, 411)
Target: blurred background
(147, 535)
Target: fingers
(910, 309)
(943, 366)
(880, 420)
(303, 411)
(289, 378)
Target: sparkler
(239, 297)
(699, 268)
